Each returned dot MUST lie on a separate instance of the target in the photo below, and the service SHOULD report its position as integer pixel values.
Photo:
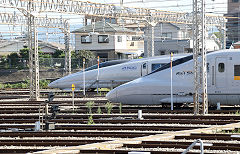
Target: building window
(162, 53)
(221, 67)
(167, 35)
(235, 1)
(86, 39)
(132, 44)
(103, 39)
(137, 38)
(119, 38)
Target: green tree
(88, 55)
(41, 54)
(24, 53)
(14, 59)
(4, 62)
(58, 54)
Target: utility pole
(150, 39)
(199, 48)
(33, 54)
(67, 65)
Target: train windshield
(108, 63)
(174, 63)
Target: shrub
(44, 84)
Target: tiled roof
(102, 27)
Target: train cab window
(236, 70)
(144, 66)
(221, 67)
(156, 66)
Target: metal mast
(33, 54)
(67, 49)
(199, 51)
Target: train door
(144, 69)
(221, 72)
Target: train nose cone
(53, 84)
(112, 96)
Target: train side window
(144, 66)
(221, 67)
(208, 67)
(236, 70)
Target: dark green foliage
(88, 55)
(24, 85)
(44, 84)
(24, 53)
(58, 54)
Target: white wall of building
(120, 45)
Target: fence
(19, 63)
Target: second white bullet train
(112, 73)
(223, 81)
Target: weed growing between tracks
(90, 120)
(90, 106)
(99, 111)
(108, 107)
(120, 108)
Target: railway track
(17, 122)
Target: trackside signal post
(97, 73)
(84, 76)
(171, 59)
(73, 88)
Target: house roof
(181, 26)
(103, 27)
(53, 45)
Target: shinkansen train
(113, 73)
(223, 82)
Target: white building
(107, 40)
(175, 38)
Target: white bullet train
(223, 82)
(112, 73)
